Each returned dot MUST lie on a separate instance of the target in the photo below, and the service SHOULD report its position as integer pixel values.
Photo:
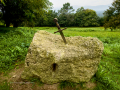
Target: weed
(5, 86)
(81, 84)
(36, 80)
(15, 42)
(64, 84)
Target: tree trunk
(111, 29)
(7, 23)
(105, 29)
(15, 24)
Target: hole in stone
(54, 66)
(27, 63)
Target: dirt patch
(16, 83)
(90, 85)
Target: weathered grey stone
(52, 61)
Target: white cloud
(59, 3)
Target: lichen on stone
(53, 61)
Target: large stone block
(52, 61)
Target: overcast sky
(57, 4)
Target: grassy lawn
(14, 43)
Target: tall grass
(14, 43)
(5, 86)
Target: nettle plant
(15, 54)
(19, 51)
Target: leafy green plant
(81, 84)
(36, 80)
(64, 84)
(15, 42)
(5, 86)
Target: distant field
(14, 43)
(89, 31)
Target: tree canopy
(47, 18)
(38, 13)
(66, 8)
(19, 11)
(86, 17)
(66, 15)
(112, 16)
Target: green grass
(14, 43)
(36, 80)
(64, 84)
(74, 86)
(5, 86)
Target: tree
(80, 10)
(47, 18)
(1, 19)
(101, 21)
(79, 17)
(112, 16)
(50, 16)
(113, 23)
(86, 17)
(65, 15)
(66, 19)
(27, 11)
(66, 9)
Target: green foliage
(1, 19)
(65, 15)
(86, 17)
(36, 80)
(5, 86)
(81, 84)
(47, 18)
(66, 20)
(107, 76)
(15, 42)
(64, 84)
(38, 13)
(66, 9)
(110, 40)
(1, 15)
(101, 21)
(23, 11)
(113, 22)
(112, 16)
(75, 86)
